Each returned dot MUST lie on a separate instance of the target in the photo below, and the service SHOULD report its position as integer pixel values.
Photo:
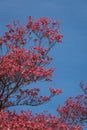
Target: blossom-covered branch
(24, 60)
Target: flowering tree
(74, 111)
(23, 60)
(22, 63)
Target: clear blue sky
(70, 58)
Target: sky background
(70, 57)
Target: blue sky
(70, 58)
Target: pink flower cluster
(55, 91)
(27, 121)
